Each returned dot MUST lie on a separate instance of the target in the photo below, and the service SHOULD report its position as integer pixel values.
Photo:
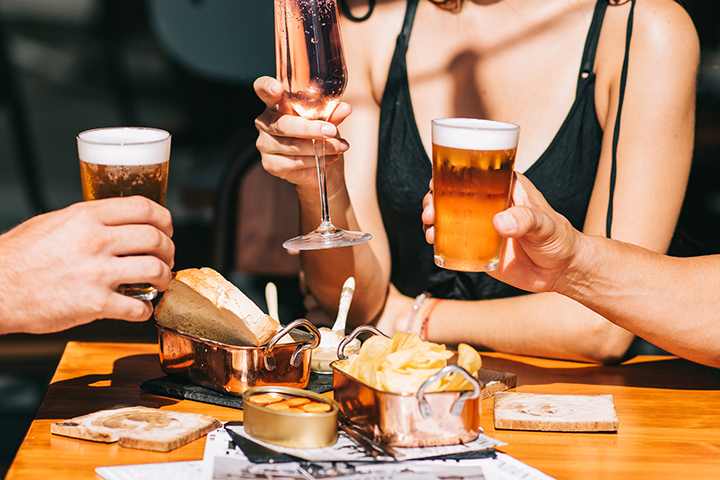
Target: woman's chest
(496, 66)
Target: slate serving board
(177, 388)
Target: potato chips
(402, 363)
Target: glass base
(465, 267)
(332, 239)
(141, 291)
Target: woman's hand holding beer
(285, 140)
(541, 245)
(63, 269)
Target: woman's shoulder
(663, 35)
(664, 25)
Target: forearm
(543, 324)
(326, 270)
(671, 302)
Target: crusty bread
(201, 302)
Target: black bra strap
(346, 11)
(616, 133)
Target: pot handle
(457, 407)
(295, 359)
(353, 335)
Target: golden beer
(471, 185)
(106, 181)
(121, 162)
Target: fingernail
(275, 89)
(505, 221)
(328, 130)
(344, 146)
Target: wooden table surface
(668, 409)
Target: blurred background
(187, 66)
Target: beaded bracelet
(419, 300)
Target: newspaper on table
(223, 461)
(345, 450)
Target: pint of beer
(121, 162)
(472, 174)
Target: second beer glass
(121, 162)
(473, 164)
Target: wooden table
(668, 408)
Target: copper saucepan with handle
(408, 419)
(233, 369)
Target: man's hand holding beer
(63, 268)
(541, 245)
(671, 302)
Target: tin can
(294, 430)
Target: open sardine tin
(406, 419)
(294, 430)
(233, 369)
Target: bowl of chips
(404, 392)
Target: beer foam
(474, 134)
(124, 146)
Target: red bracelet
(426, 321)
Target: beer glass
(472, 174)
(125, 161)
(311, 66)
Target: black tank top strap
(403, 39)
(616, 132)
(593, 37)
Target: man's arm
(62, 269)
(671, 302)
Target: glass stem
(326, 225)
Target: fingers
(341, 112)
(130, 240)
(294, 127)
(122, 307)
(430, 234)
(141, 269)
(270, 91)
(514, 222)
(130, 210)
(428, 217)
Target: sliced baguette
(201, 302)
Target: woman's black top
(565, 174)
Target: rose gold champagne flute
(311, 67)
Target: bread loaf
(201, 302)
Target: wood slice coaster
(555, 413)
(138, 427)
(495, 381)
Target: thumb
(526, 223)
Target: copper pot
(232, 369)
(408, 419)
